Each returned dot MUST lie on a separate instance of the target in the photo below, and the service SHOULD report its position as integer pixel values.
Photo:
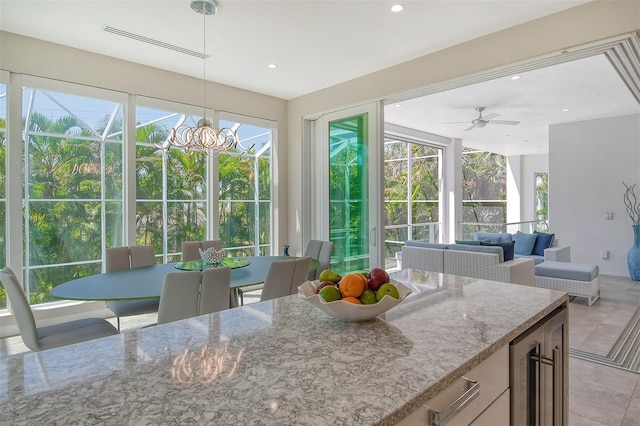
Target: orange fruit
(352, 285)
(352, 299)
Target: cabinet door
(524, 380)
(497, 413)
(556, 373)
(493, 376)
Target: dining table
(146, 282)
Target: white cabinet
(479, 397)
(497, 414)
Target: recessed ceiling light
(397, 8)
(515, 77)
(565, 109)
(272, 66)
(397, 105)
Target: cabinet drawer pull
(442, 417)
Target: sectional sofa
(538, 246)
(495, 256)
(486, 262)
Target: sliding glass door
(348, 151)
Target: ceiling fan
(483, 121)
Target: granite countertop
(278, 362)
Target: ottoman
(577, 279)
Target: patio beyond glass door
(351, 189)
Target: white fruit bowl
(349, 311)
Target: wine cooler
(539, 373)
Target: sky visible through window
(94, 112)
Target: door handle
(372, 236)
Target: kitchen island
(280, 362)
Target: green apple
(330, 293)
(387, 289)
(368, 297)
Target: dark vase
(633, 257)
(285, 250)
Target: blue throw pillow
(543, 241)
(507, 249)
(493, 237)
(468, 242)
(524, 243)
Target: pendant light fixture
(204, 137)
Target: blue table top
(146, 282)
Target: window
(73, 186)
(75, 183)
(180, 211)
(542, 201)
(171, 186)
(245, 192)
(484, 192)
(412, 174)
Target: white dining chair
(214, 290)
(320, 251)
(191, 249)
(142, 256)
(180, 296)
(123, 258)
(118, 259)
(52, 336)
(284, 277)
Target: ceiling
(320, 43)
(579, 90)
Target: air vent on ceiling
(154, 42)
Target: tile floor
(598, 394)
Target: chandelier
(204, 137)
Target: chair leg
(118, 320)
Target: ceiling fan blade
(490, 116)
(455, 122)
(473, 126)
(504, 122)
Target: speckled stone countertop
(280, 362)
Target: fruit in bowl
(351, 299)
(377, 277)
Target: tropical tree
(484, 187)
(63, 222)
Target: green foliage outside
(542, 201)
(348, 194)
(71, 194)
(411, 178)
(484, 189)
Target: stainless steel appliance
(539, 373)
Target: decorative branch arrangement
(632, 203)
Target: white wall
(545, 37)
(514, 189)
(588, 161)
